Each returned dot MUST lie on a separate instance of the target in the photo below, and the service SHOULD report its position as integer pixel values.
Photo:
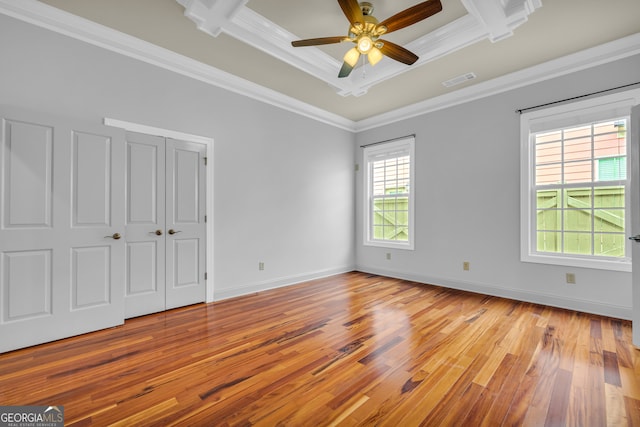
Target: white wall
(284, 185)
(468, 201)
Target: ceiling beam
(211, 16)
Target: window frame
(559, 117)
(404, 146)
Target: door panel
(60, 275)
(186, 183)
(145, 195)
(27, 284)
(185, 215)
(27, 169)
(91, 180)
(90, 276)
(185, 262)
(143, 179)
(142, 278)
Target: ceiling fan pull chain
(364, 67)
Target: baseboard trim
(609, 310)
(252, 288)
(585, 306)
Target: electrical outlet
(388, 255)
(571, 278)
(465, 265)
(261, 266)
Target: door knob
(636, 238)
(114, 236)
(157, 232)
(172, 231)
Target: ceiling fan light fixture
(352, 56)
(374, 56)
(364, 44)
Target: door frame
(634, 229)
(168, 133)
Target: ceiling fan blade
(318, 41)
(345, 70)
(352, 11)
(398, 53)
(412, 15)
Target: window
(389, 194)
(575, 198)
(611, 168)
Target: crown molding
(605, 53)
(62, 22)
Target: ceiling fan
(365, 32)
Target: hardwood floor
(352, 349)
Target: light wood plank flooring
(352, 349)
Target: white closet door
(165, 224)
(145, 225)
(186, 229)
(61, 219)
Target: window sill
(623, 264)
(389, 245)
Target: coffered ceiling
(245, 46)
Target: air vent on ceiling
(457, 80)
